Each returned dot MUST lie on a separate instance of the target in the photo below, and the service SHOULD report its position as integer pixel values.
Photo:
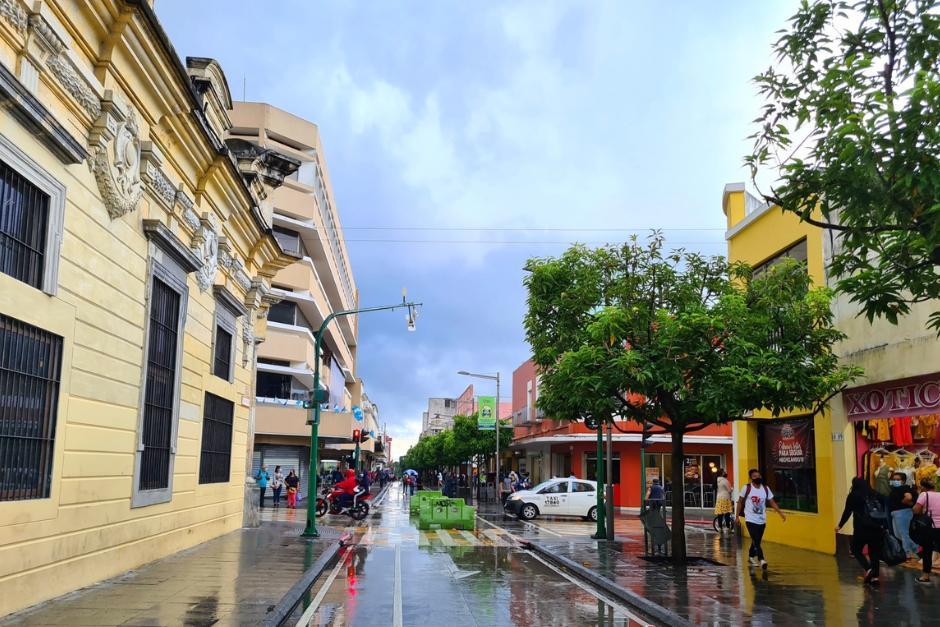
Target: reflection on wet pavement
(448, 577)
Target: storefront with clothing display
(896, 429)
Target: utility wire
(524, 229)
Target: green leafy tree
(677, 341)
(852, 123)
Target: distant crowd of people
(277, 482)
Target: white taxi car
(555, 497)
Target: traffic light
(363, 435)
(356, 435)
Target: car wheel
(528, 512)
(592, 514)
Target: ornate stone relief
(206, 247)
(115, 146)
(14, 13)
(62, 66)
(153, 176)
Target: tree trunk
(678, 498)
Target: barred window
(24, 217)
(160, 392)
(216, 458)
(222, 362)
(30, 367)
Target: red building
(554, 448)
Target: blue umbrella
(411, 472)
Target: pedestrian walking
(655, 496)
(864, 506)
(928, 502)
(752, 504)
(262, 479)
(724, 506)
(901, 505)
(277, 485)
(293, 484)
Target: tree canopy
(679, 341)
(455, 446)
(852, 123)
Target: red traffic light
(356, 435)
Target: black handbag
(892, 553)
(921, 529)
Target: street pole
(610, 482)
(311, 531)
(601, 532)
(356, 457)
(498, 425)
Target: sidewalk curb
(630, 598)
(279, 613)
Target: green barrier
(446, 513)
(421, 498)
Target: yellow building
(318, 283)
(812, 493)
(136, 254)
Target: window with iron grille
(216, 458)
(30, 366)
(24, 217)
(222, 363)
(160, 391)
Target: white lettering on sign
(838, 436)
(918, 396)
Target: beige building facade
(318, 283)
(137, 251)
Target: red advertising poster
(789, 444)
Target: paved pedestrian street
(395, 574)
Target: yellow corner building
(136, 258)
(811, 493)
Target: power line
(523, 242)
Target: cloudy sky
(464, 137)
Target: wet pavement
(799, 587)
(233, 580)
(395, 574)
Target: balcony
(288, 417)
(314, 314)
(520, 418)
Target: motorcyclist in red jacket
(345, 489)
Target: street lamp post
(490, 377)
(310, 531)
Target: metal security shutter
(255, 462)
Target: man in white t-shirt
(752, 504)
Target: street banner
(790, 444)
(486, 420)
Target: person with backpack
(752, 505)
(868, 519)
(928, 504)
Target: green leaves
(677, 339)
(852, 123)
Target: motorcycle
(329, 504)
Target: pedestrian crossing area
(446, 538)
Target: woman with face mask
(900, 503)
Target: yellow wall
(87, 529)
(755, 237)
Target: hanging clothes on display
(881, 428)
(901, 431)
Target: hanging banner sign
(789, 444)
(486, 420)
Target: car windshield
(544, 485)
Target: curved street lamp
(310, 531)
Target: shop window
(32, 205)
(30, 365)
(590, 463)
(216, 455)
(787, 458)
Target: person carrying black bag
(868, 518)
(925, 526)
